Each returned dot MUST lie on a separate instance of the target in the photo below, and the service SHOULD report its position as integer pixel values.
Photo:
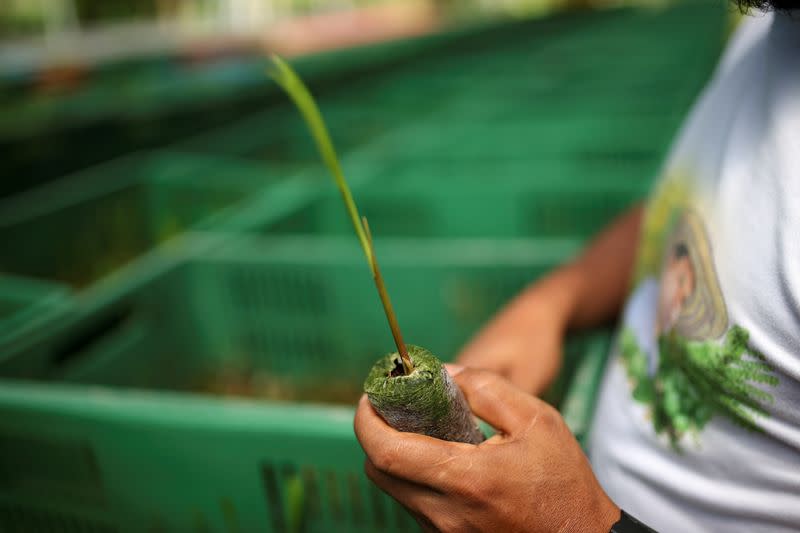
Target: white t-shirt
(698, 421)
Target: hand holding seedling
(531, 476)
(422, 444)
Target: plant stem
(283, 74)
(408, 366)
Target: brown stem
(408, 366)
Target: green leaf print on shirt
(696, 380)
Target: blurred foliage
(20, 18)
(91, 12)
(26, 17)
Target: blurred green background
(178, 280)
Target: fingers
(496, 400)
(412, 496)
(470, 357)
(479, 355)
(453, 368)
(407, 456)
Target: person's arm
(523, 342)
(530, 476)
(602, 273)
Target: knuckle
(549, 417)
(448, 473)
(443, 476)
(369, 470)
(483, 379)
(447, 523)
(468, 486)
(385, 459)
(470, 491)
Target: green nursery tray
(27, 308)
(84, 227)
(123, 434)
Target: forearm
(523, 342)
(585, 292)
(599, 278)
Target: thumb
(495, 400)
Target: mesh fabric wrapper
(427, 401)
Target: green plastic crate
(500, 199)
(574, 63)
(279, 136)
(27, 307)
(102, 459)
(132, 458)
(544, 82)
(145, 104)
(274, 136)
(617, 48)
(474, 139)
(288, 303)
(84, 227)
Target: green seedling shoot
(411, 389)
(288, 79)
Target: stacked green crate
(127, 461)
(152, 101)
(105, 231)
(266, 303)
(278, 136)
(506, 131)
(485, 199)
(27, 308)
(253, 318)
(88, 225)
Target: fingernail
(453, 369)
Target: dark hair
(767, 5)
(680, 251)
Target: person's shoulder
(751, 30)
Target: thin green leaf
(287, 78)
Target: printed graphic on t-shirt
(683, 359)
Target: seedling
(286, 77)
(410, 388)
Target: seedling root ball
(426, 401)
